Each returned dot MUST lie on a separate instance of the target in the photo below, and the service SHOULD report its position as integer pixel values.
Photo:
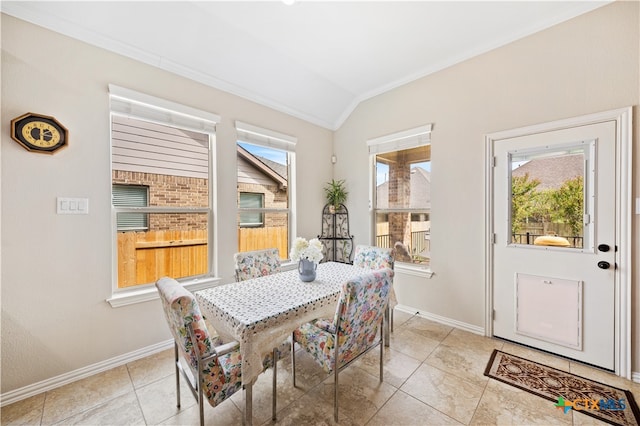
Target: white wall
(585, 65)
(57, 269)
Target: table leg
(247, 418)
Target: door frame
(623, 182)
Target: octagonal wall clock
(39, 133)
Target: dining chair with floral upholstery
(257, 263)
(372, 257)
(215, 366)
(353, 331)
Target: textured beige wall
(56, 269)
(585, 65)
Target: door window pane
(547, 206)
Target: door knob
(603, 247)
(603, 264)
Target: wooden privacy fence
(250, 239)
(144, 257)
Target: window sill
(130, 297)
(415, 270)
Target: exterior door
(554, 250)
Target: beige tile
(404, 410)
(445, 392)
(396, 365)
(400, 318)
(286, 392)
(412, 344)
(428, 328)
(314, 408)
(466, 362)
(580, 419)
(225, 414)
(360, 394)
(122, 410)
(158, 399)
(501, 409)
(77, 397)
(25, 412)
(464, 339)
(152, 368)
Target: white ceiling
(313, 60)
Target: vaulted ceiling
(313, 60)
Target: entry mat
(568, 391)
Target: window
(131, 196)
(250, 201)
(402, 194)
(265, 170)
(549, 187)
(161, 189)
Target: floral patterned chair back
(218, 371)
(356, 326)
(257, 263)
(357, 321)
(373, 257)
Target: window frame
(406, 139)
(140, 106)
(255, 135)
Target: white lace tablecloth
(261, 313)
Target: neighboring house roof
(552, 172)
(420, 190)
(276, 171)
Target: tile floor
(433, 376)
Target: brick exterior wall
(399, 197)
(165, 190)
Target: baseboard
(442, 320)
(81, 373)
(635, 376)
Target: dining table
(261, 313)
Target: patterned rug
(568, 391)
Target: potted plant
(336, 194)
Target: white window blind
(406, 139)
(133, 104)
(131, 196)
(264, 137)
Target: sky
(272, 154)
(382, 171)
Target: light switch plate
(66, 205)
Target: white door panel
(588, 290)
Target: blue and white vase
(307, 270)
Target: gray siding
(140, 146)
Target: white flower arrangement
(303, 249)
